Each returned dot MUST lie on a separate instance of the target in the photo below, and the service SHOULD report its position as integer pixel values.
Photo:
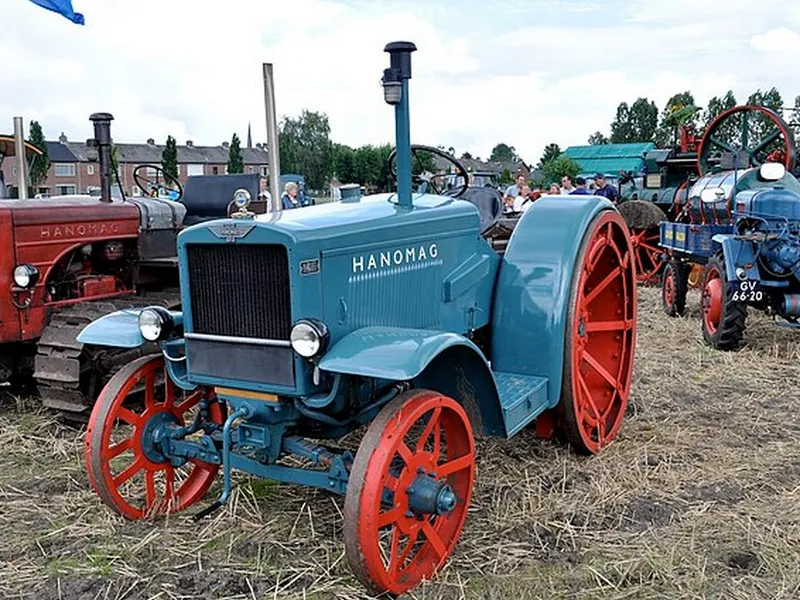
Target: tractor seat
(487, 200)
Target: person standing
(263, 192)
(605, 189)
(514, 190)
(580, 188)
(567, 185)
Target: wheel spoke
(724, 145)
(393, 553)
(188, 404)
(454, 466)
(127, 415)
(169, 485)
(404, 452)
(150, 489)
(132, 470)
(602, 285)
(117, 449)
(390, 516)
(434, 539)
(409, 547)
(597, 326)
(433, 425)
(601, 370)
(589, 398)
(169, 392)
(765, 142)
(149, 389)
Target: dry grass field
(699, 497)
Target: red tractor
(65, 261)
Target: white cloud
(780, 40)
(523, 72)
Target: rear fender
(445, 362)
(533, 288)
(737, 254)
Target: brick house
(74, 168)
(495, 167)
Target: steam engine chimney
(102, 141)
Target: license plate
(746, 291)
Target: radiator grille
(240, 290)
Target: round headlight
(309, 338)
(26, 276)
(152, 324)
(241, 198)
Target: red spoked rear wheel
(649, 261)
(712, 299)
(601, 335)
(408, 492)
(124, 463)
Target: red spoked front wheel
(601, 335)
(649, 257)
(408, 492)
(123, 458)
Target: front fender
(119, 329)
(390, 353)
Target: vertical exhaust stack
(272, 138)
(22, 165)
(395, 93)
(102, 140)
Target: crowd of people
(519, 196)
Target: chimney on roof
(151, 142)
(225, 144)
(189, 143)
(62, 138)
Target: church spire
(249, 137)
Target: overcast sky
(524, 72)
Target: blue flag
(62, 7)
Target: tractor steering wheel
(428, 182)
(157, 185)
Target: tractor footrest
(522, 398)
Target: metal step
(522, 399)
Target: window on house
(215, 170)
(264, 171)
(65, 170)
(65, 190)
(90, 169)
(135, 191)
(194, 170)
(151, 172)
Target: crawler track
(69, 375)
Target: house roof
(151, 154)
(609, 159)
(471, 164)
(58, 153)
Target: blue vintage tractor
(744, 227)
(389, 311)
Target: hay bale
(640, 214)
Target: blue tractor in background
(391, 311)
(744, 227)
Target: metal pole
(102, 137)
(22, 165)
(272, 139)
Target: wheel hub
(428, 496)
(153, 432)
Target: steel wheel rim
(647, 253)
(412, 550)
(603, 334)
(193, 478)
(712, 300)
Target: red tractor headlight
(26, 276)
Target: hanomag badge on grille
(309, 267)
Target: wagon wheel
(601, 336)
(674, 285)
(643, 219)
(754, 134)
(696, 276)
(126, 467)
(409, 490)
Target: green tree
(235, 161)
(41, 163)
(503, 153)
(344, 163)
(762, 127)
(597, 139)
(169, 158)
(505, 177)
(466, 156)
(305, 148)
(716, 106)
(635, 123)
(555, 169)
(551, 152)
